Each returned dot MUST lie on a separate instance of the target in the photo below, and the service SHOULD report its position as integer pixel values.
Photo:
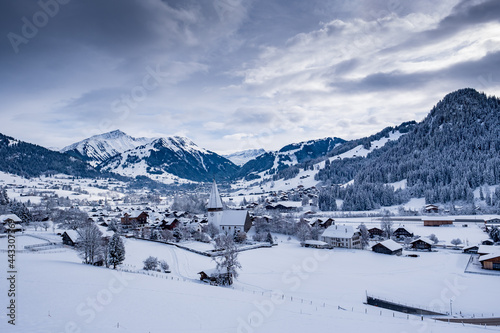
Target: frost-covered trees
(89, 243)
(365, 235)
(303, 232)
(116, 251)
(269, 238)
(227, 261)
(72, 218)
(150, 264)
(434, 238)
(456, 241)
(20, 209)
(386, 226)
(495, 234)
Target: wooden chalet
(471, 249)
(138, 218)
(11, 222)
(402, 232)
(422, 244)
(494, 221)
(170, 224)
(487, 242)
(375, 232)
(388, 247)
(70, 237)
(431, 208)
(490, 261)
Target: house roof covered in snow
(13, 217)
(487, 249)
(391, 245)
(423, 239)
(234, 218)
(489, 256)
(339, 231)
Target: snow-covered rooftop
(391, 245)
(338, 231)
(13, 217)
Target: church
(229, 221)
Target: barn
(471, 249)
(422, 244)
(437, 222)
(216, 277)
(490, 261)
(388, 247)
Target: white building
(228, 221)
(342, 236)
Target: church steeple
(215, 208)
(215, 201)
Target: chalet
(325, 224)
(11, 222)
(388, 247)
(342, 236)
(471, 249)
(140, 218)
(169, 224)
(431, 208)
(422, 244)
(216, 277)
(490, 261)
(402, 232)
(375, 232)
(437, 222)
(69, 237)
(487, 242)
(314, 244)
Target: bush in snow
(433, 238)
(151, 263)
(164, 266)
(456, 241)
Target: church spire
(215, 201)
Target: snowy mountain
(287, 156)
(99, 148)
(29, 160)
(241, 157)
(169, 160)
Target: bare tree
(386, 226)
(89, 244)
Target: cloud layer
(234, 74)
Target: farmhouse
(342, 236)
(375, 232)
(69, 237)
(388, 247)
(216, 277)
(437, 222)
(490, 261)
(422, 244)
(402, 232)
(8, 219)
(431, 208)
(135, 218)
(494, 221)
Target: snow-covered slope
(241, 157)
(169, 160)
(99, 148)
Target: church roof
(234, 218)
(215, 201)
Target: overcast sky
(233, 75)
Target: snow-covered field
(281, 289)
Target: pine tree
(269, 238)
(116, 251)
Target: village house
(388, 247)
(490, 261)
(375, 232)
(70, 237)
(139, 218)
(471, 249)
(402, 232)
(11, 222)
(342, 236)
(422, 244)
